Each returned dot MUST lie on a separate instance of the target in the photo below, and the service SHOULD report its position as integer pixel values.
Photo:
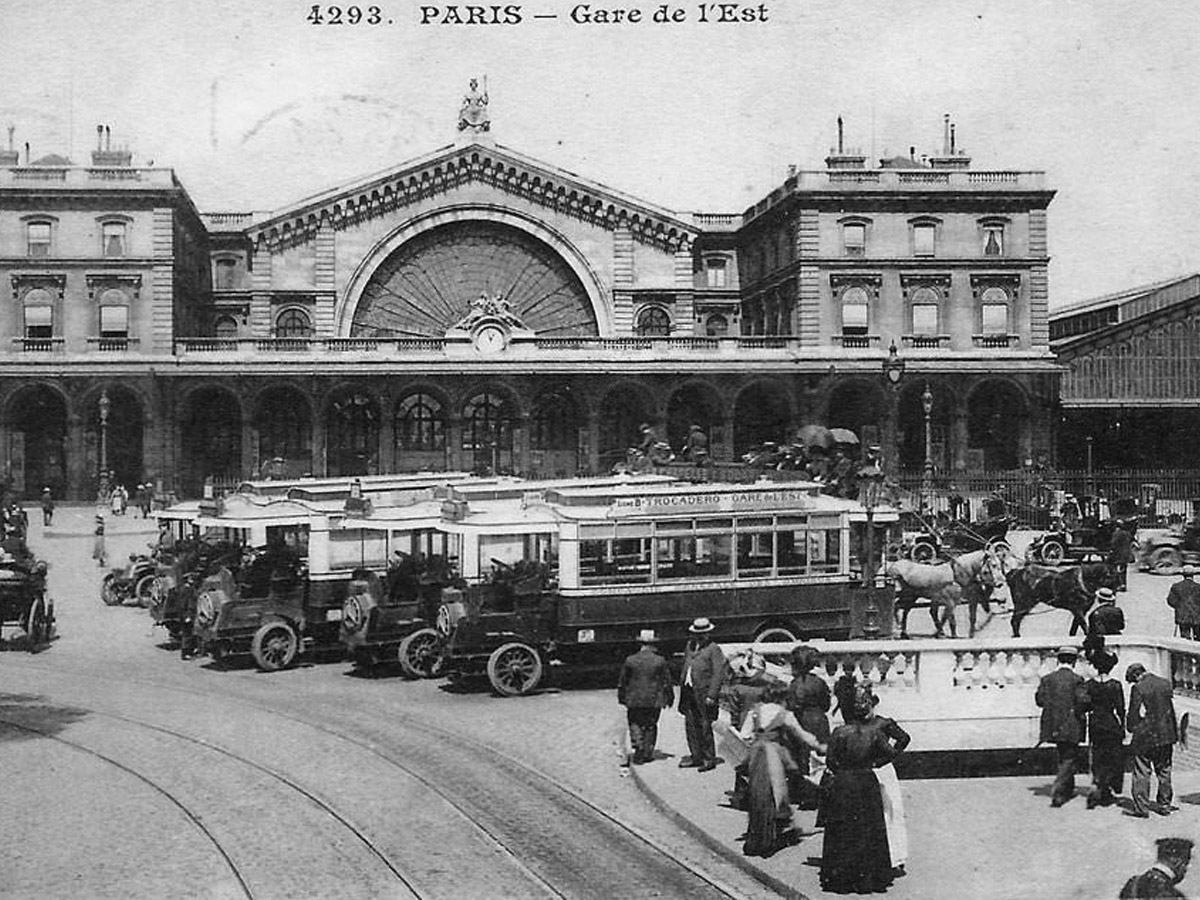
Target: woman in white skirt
(889, 786)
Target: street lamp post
(870, 479)
(927, 476)
(1091, 488)
(105, 405)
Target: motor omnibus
(573, 576)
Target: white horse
(973, 576)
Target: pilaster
(808, 286)
(260, 298)
(162, 279)
(324, 280)
(623, 275)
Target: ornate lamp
(105, 405)
(927, 479)
(893, 367)
(870, 480)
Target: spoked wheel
(421, 654)
(144, 590)
(1052, 553)
(514, 669)
(775, 634)
(108, 590)
(37, 626)
(274, 646)
(923, 552)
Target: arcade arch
(211, 437)
(351, 432)
(283, 415)
(997, 423)
(761, 413)
(695, 403)
(37, 433)
(124, 436)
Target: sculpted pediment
(506, 171)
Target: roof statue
(496, 308)
(473, 115)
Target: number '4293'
(345, 15)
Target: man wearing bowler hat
(704, 671)
(1153, 731)
(1106, 618)
(1174, 857)
(1184, 598)
(1062, 697)
(644, 689)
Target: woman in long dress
(1106, 726)
(855, 857)
(889, 784)
(768, 727)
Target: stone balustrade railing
(978, 694)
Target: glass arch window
(225, 327)
(855, 311)
(653, 321)
(925, 311)
(420, 423)
(994, 311)
(716, 326)
(293, 323)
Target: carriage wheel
(274, 646)
(1052, 553)
(144, 590)
(421, 654)
(37, 625)
(514, 669)
(1165, 561)
(775, 634)
(108, 590)
(923, 552)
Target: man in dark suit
(704, 671)
(1184, 598)
(1174, 857)
(644, 689)
(1153, 733)
(1062, 697)
(1106, 618)
(1120, 553)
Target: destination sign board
(725, 502)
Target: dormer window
(716, 272)
(113, 238)
(37, 239)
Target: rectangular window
(925, 318)
(716, 273)
(923, 240)
(755, 552)
(114, 321)
(854, 239)
(356, 548)
(38, 239)
(39, 322)
(854, 318)
(621, 561)
(226, 274)
(995, 318)
(993, 240)
(114, 238)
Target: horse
(1073, 589)
(972, 576)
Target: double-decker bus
(573, 576)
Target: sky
(255, 107)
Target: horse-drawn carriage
(23, 599)
(1084, 530)
(940, 540)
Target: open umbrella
(843, 436)
(814, 436)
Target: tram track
(516, 820)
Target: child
(98, 553)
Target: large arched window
(653, 321)
(225, 327)
(293, 323)
(420, 424)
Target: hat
(748, 664)
(1188, 570)
(99, 518)
(701, 626)
(1106, 595)
(1104, 661)
(1066, 650)
(1174, 846)
(647, 636)
(1134, 672)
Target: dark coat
(1184, 598)
(808, 699)
(1106, 618)
(1062, 697)
(645, 681)
(1150, 885)
(1151, 716)
(1120, 547)
(708, 668)
(1106, 706)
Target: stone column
(80, 483)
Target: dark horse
(1073, 589)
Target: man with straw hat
(644, 689)
(704, 672)
(1184, 598)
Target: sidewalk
(981, 838)
(79, 520)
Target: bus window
(824, 549)
(357, 548)
(543, 548)
(623, 561)
(754, 559)
(792, 549)
(294, 537)
(507, 549)
(705, 556)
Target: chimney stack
(843, 158)
(841, 149)
(946, 134)
(104, 155)
(99, 137)
(951, 139)
(10, 157)
(28, 158)
(951, 157)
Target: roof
(1118, 298)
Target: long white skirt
(893, 813)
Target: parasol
(814, 436)
(843, 436)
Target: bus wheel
(421, 654)
(274, 646)
(514, 669)
(775, 634)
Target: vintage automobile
(1164, 551)
(23, 600)
(573, 578)
(132, 581)
(1084, 532)
(942, 540)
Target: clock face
(490, 339)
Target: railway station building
(476, 307)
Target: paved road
(130, 773)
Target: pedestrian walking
(843, 690)
(1174, 857)
(769, 728)
(747, 684)
(1106, 728)
(889, 785)
(644, 689)
(1153, 733)
(1107, 618)
(1184, 598)
(855, 856)
(98, 552)
(145, 499)
(114, 500)
(47, 503)
(1061, 697)
(704, 671)
(1120, 553)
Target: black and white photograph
(551, 449)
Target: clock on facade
(490, 339)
